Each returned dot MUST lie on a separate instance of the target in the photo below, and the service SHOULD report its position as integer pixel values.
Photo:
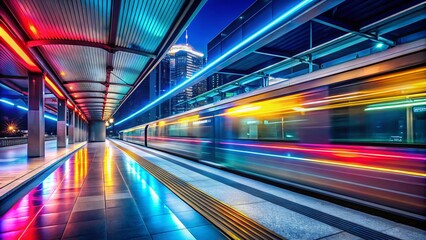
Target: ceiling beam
(273, 53)
(237, 73)
(9, 84)
(13, 77)
(107, 47)
(93, 91)
(115, 13)
(80, 98)
(349, 29)
(92, 81)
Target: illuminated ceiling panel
(99, 49)
(76, 20)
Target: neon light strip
(395, 106)
(343, 152)
(212, 64)
(18, 50)
(7, 102)
(53, 87)
(23, 108)
(26, 109)
(339, 164)
(45, 115)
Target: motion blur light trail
(330, 162)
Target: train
(356, 136)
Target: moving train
(359, 135)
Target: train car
(360, 139)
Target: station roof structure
(94, 53)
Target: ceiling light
(380, 45)
(10, 41)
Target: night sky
(211, 20)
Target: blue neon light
(49, 117)
(238, 46)
(7, 102)
(23, 108)
(26, 109)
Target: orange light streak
(53, 87)
(70, 104)
(18, 50)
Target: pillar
(77, 128)
(86, 131)
(97, 131)
(71, 127)
(61, 124)
(82, 131)
(35, 115)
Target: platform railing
(10, 141)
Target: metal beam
(85, 91)
(101, 98)
(106, 47)
(115, 12)
(13, 77)
(347, 28)
(8, 84)
(273, 53)
(232, 73)
(92, 81)
(403, 18)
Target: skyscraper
(184, 62)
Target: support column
(86, 131)
(77, 129)
(71, 127)
(97, 131)
(83, 130)
(61, 124)
(35, 115)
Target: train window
(386, 126)
(384, 109)
(177, 130)
(261, 128)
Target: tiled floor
(267, 204)
(101, 193)
(16, 168)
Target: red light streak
(8, 39)
(70, 104)
(336, 152)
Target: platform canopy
(94, 52)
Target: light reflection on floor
(102, 193)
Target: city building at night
(184, 63)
